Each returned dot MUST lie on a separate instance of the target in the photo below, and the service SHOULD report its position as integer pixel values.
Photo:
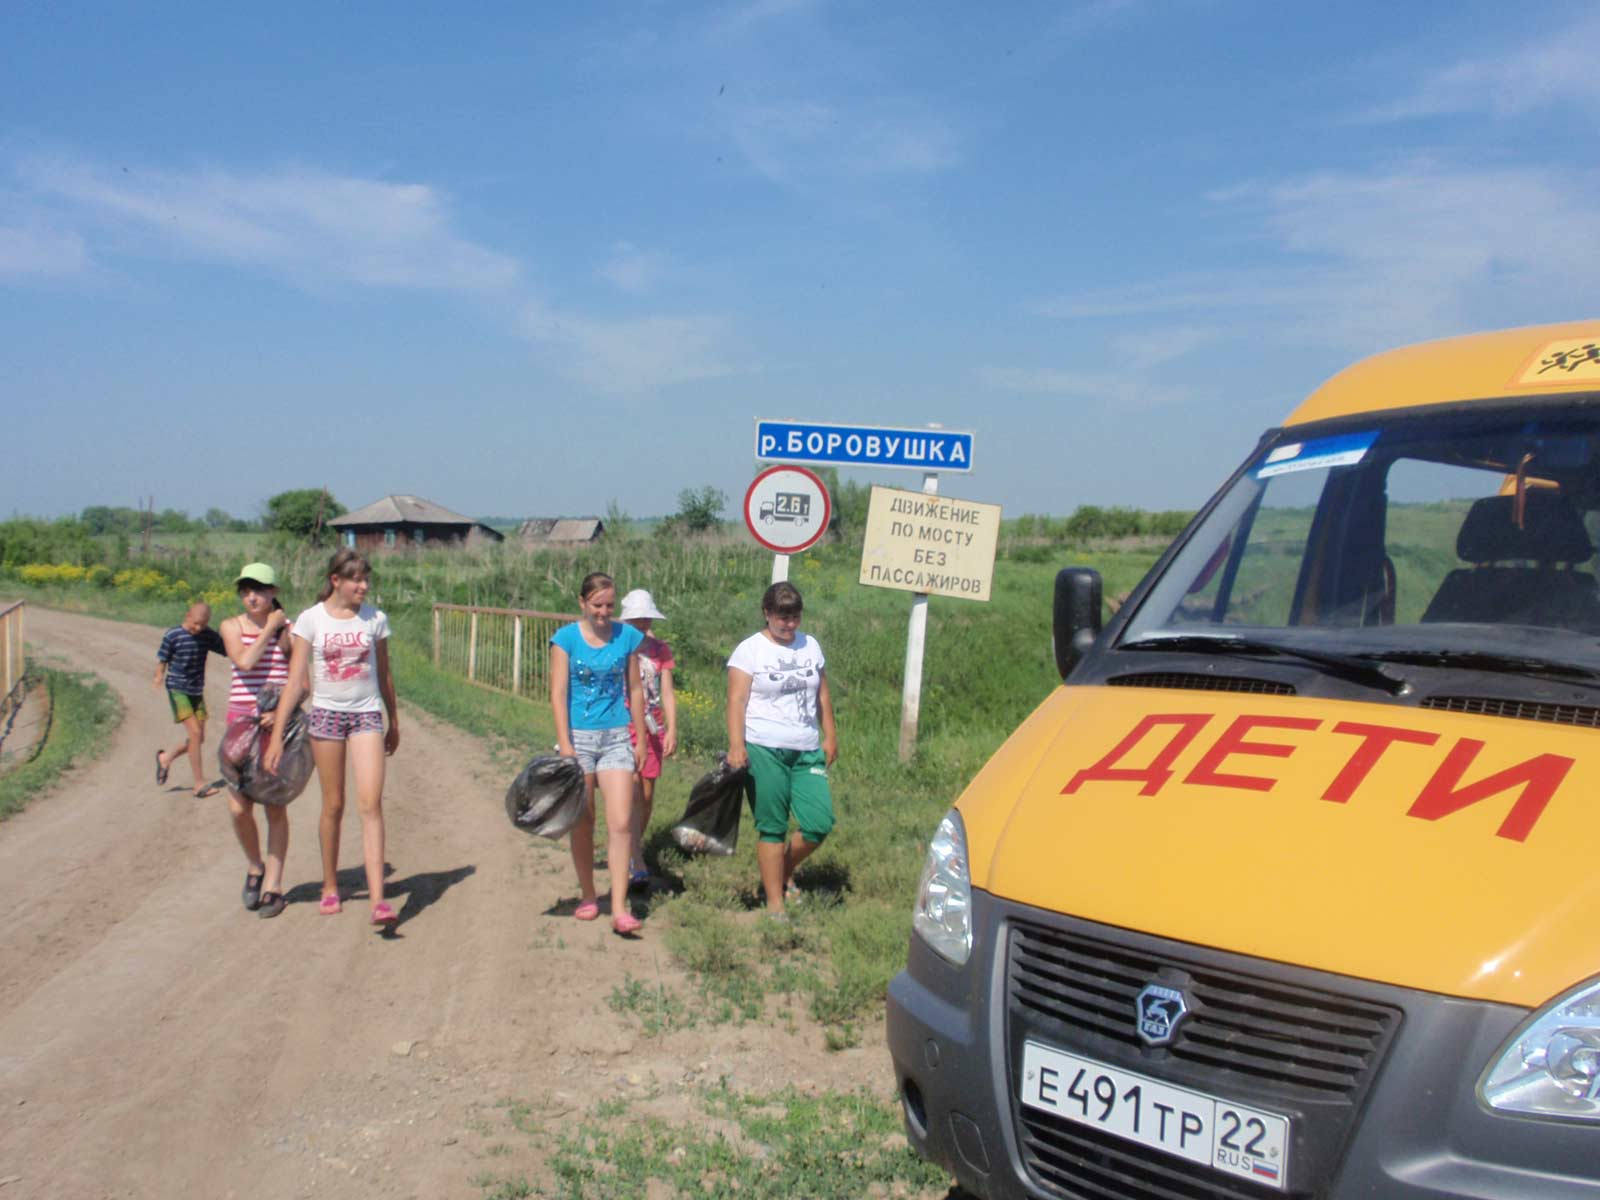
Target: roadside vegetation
(835, 1146)
(82, 711)
(987, 666)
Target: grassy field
(987, 666)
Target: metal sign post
(916, 638)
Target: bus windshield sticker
(1343, 450)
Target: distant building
(561, 531)
(410, 522)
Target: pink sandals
(382, 914)
(330, 904)
(625, 923)
(587, 911)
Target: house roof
(393, 509)
(561, 529)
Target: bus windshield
(1467, 530)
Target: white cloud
(313, 226)
(739, 18)
(806, 141)
(1555, 68)
(320, 229)
(633, 354)
(1090, 16)
(1385, 258)
(36, 253)
(633, 270)
(1129, 390)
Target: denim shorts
(603, 749)
(331, 725)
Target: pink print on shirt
(346, 656)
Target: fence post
(436, 635)
(516, 656)
(472, 651)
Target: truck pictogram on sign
(786, 506)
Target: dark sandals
(161, 772)
(251, 895)
(272, 903)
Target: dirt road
(157, 1040)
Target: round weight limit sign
(787, 510)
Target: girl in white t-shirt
(341, 655)
(780, 726)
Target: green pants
(790, 781)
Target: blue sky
(531, 259)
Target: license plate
(1233, 1138)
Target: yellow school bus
(1292, 888)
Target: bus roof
(1538, 360)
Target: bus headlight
(1551, 1065)
(943, 917)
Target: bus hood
(1416, 847)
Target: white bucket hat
(638, 604)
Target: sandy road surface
(157, 1040)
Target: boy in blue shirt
(181, 666)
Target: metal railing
(12, 660)
(504, 649)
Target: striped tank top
(271, 667)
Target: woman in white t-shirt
(780, 725)
(341, 655)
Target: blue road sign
(864, 446)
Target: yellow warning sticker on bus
(1573, 361)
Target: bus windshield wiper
(1488, 660)
(1351, 668)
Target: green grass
(987, 665)
(658, 1008)
(84, 712)
(835, 1146)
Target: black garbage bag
(546, 797)
(710, 822)
(239, 756)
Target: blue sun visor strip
(1341, 450)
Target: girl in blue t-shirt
(594, 686)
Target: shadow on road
(420, 891)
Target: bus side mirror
(1075, 616)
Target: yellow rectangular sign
(931, 544)
(1566, 362)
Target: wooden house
(409, 522)
(561, 531)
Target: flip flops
(207, 791)
(252, 890)
(330, 904)
(383, 915)
(587, 911)
(161, 772)
(624, 924)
